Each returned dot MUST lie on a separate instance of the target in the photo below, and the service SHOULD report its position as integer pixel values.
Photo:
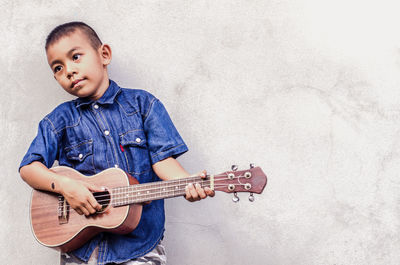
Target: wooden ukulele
(55, 224)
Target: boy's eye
(57, 69)
(76, 56)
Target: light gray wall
(308, 90)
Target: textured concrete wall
(308, 90)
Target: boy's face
(79, 68)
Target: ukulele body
(55, 224)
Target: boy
(105, 126)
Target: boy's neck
(101, 89)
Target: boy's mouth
(74, 83)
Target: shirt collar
(108, 97)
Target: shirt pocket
(134, 146)
(80, 155)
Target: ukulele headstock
(252, 180)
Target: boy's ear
(105, 53)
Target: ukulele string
(99, 198)
(140, 197)
(150, 195)
(69, 209)
(156, 186)
(172, 184)
(166, 188)
(153, 192)
(115, 197)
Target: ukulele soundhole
(103, 198)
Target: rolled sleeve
(163, 139)
(44, 147)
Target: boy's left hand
(196, 192)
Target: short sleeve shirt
(127, 128)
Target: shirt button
(80, 156)
(138, 140)
(106, 132)
(96, 106)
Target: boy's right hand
(79, 195)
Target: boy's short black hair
(70, 27)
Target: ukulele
(55, 224)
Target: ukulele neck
(156, 190)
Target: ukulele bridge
(63, 210)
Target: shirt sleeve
(44, 147)
(163, 139)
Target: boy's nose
(70, 70)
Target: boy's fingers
(209, 192)
(90, 208)
(203, 174)
(196, 192)
(93, 202)
(187, 195)
(200, 191)
(193, 192)
(84, 210)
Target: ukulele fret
(140, 193)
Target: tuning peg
(235, 197)
(251, 197)
(251, 165)
(234, 167)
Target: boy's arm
(77, 193)
(170, 168)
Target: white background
(307, 89)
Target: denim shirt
(127, 128)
